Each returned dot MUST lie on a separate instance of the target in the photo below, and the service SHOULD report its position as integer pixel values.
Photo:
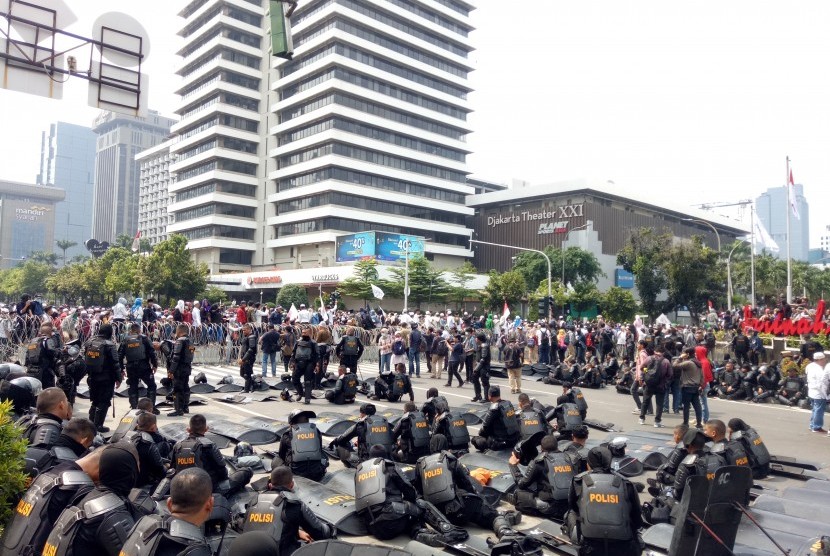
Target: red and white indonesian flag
(791, 195)
(136, 241)
(506, 313)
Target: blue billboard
(355, 247)
(393, 247)
(623, 279)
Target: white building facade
(154, 194)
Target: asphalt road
(784, 430)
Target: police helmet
(30, 383)
(243, 449)
(617, 446)
(285, 395)
(200, 378)
(297, 413)
(227, 379)
(167, 382)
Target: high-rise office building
(154, 194)
(116, 197)
(67, 161)
(771, 207)
(363, 130)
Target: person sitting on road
(500, 426)
(369, 429)
(543, 488)
(759, 458)
(411, 435)
(345, 388)
(301, 447)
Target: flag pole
(752, 254)
(789, 250)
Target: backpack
(398, 347)
(652, 375)
(287, 345)
(37, 308)
(531, 340)
(442, 349)
(545, 339)
(302, 353)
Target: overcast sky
(691, 101)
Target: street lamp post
(547, 259)
(563, 248)
(729, 275)
(717, 235)
(407, 249)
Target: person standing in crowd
(655, 376)
(179, 369)
(384, 351)
(137, 355)
(817, 383)
(269, 343)
(513, 361)
(102, 364)
(691, 384)
(247, 356)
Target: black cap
(599, 458)
(294, 415)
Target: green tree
(33, 277)
(49, 259)
(12, 449)
(504, 287)
(460, 278)
(643, 256)
(584, 298)
(214, 294)
(64, 245)
(580, 266)
(170, 272)
(618, 305)
(694, 275)
(124, 276)
(359, 285)
(425, 282)
(292, 294)
(124, 241)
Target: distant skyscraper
(771, 207)
(116, 199)
(154, 192)
(67, 161)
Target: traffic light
(543, 307)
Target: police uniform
(703, 463)
(499, 428)
(400, 385)
(369, 430)
(544, 487)
(568, 419)
(138, 354)
(301, 449)
(756, 450)
(248, 351)
(730, 379)
(667, 471)
(434, 407)
(411, 433)
(104, 370)
(42, 355)
(180, 367)
(389, 504)
(99, 522)
(606, 510)
(151, 466)
(349, 351)
(41, 430)
(156, 535)
(345, 389)
(443, 482)
(41, 459)
(481, 372)
(304, 358)
(281, 514)
(455, 430)
(792, 390)
(40, 506)
(198, 451)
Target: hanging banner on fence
(788, 327)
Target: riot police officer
(349, 349)
(500, 426)
(576, 397)
(442, 481)
(198, 451)
(731, 450)
(74, 440)
(141, 363)
(190, 505)
(577, 450)
(454, 429)
(151, 466)
(100, 522)
(247, 357)
(281, 514)
(179, 370)
(666, 471)
(434, 406)
(481, 371)
(759, 458)
(567, 415)
(42, 430)
(543, 488)
(400, 386)
(18, 388)
(102, 363)
(42, 354)
(411, 433)
(129, 421)
(533, 426)
(345, 388)
(729, 381)
(301, 446)
(370, 429)
(604, 510)
(304, 359)
(792, 389)
(389, 504)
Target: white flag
(377, 292)
(293, 313)
(323, 314)
(763, 238)
(791, 195)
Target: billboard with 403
(394, 247)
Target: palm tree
(63, 245)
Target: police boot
(152, 398)
(177, 407)
(186, 403)
(434, 517)
(133, 400)
(541, 506)
(514, 517)
(501, 526)
(100, 416)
